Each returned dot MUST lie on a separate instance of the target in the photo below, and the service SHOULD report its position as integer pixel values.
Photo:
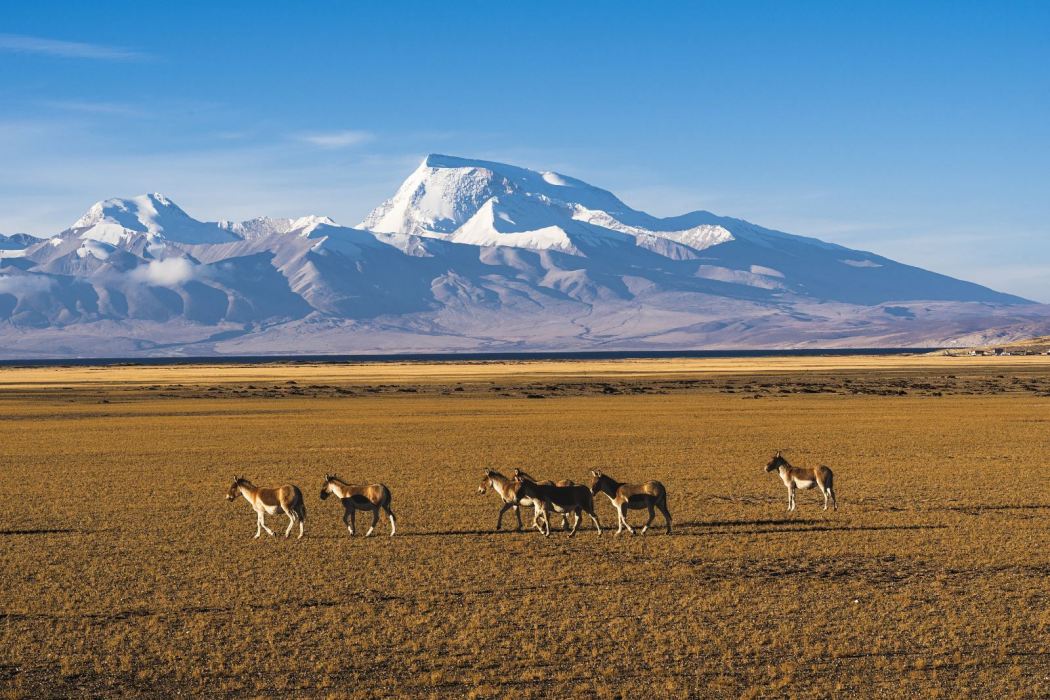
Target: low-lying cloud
(170, 272)
(21, 285)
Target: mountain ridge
(466, 255)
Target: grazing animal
(503, 486)
(561, 499)
(624, 497)
(804, 478)
(287, 499)
(371, 497)
(547, 482)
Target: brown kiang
(271, 501)
(651, 495)
(804, 478)
(368, 497)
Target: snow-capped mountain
(154, 216)
(469, 255)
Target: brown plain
(124, 570)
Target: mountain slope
(470, 255)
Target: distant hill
(1029, 346)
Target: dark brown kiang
(565, 497)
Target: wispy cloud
(89, 107)
(18, 43)
(336, 139)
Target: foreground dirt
(125, 572)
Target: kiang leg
(262, 521)
(666, 514)
(652, 516)
(503, 509)
(623, 518)
(537, 509)
(291, 520)
(594, 517)
(541, 523)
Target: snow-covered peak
(445, 192)
(263, 226)
(116, 220)
(486, 203)
(310, 223)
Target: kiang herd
(566, 498)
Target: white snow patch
(106, 232)
(767, 271)
(697, 238)
(860, 263)
(725, 274)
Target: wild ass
(561, 499)
(624, 497)
(371, 497)
(804, 478)
(287, 499)
(512, 500)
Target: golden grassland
(124, 570)
(132, 375)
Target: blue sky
(920, 131)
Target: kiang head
(596, 480)
(326, 487)
(486, 482)
(235, 488)
(777, 462)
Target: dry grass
(125, 571)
